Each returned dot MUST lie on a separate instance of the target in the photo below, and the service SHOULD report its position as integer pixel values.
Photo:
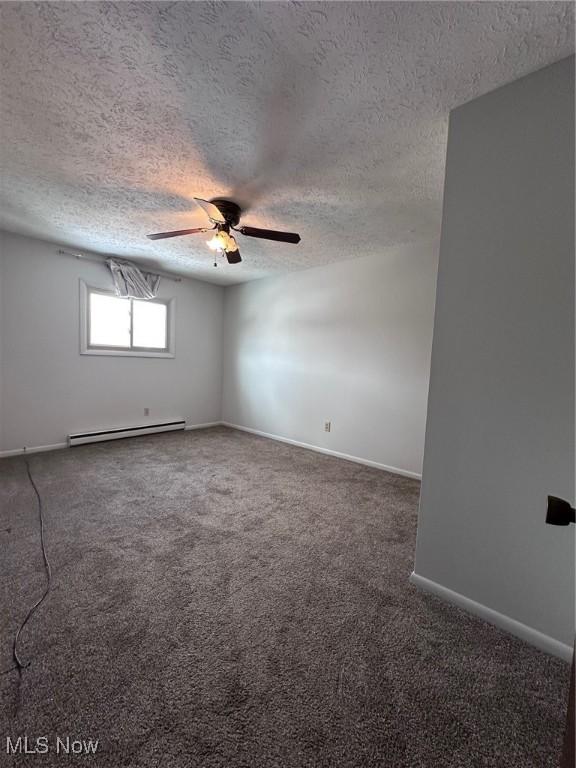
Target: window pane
(149, 325)
(109, 321)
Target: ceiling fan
(224, 216)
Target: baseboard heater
(117, 433)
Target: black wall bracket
(559, 512)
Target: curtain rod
(77, 255)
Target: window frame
(87, 349)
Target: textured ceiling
(328, 119)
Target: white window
(111, 325)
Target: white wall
(500, 433)
(349, 342)
(49, 390)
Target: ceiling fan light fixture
(216, 243)
(222, 242)
(224, 215)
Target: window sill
(124, 353)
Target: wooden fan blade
(270, 234)
(233, 257)
(210, 210)
(178, 232)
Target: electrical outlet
(327, 426)
(146, 411)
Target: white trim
(124, 353)
(58, 446)
(327, 451)
(85, 349)
(33, 449)
(203, 426)
(523, 631)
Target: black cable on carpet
(19, 664)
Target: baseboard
(58, 446)
(33, 449)
(500, 620)
(327, 451)
(289, 441)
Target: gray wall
(49, 390)
(500, 430)
(349, 342)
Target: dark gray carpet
(224, 600)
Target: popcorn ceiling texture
(325, 118)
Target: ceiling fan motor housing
(231, 211)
